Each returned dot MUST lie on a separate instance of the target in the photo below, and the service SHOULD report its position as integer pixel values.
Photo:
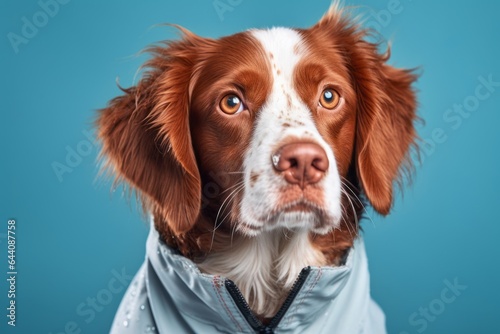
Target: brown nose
(301, 163)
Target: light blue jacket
(170, 295)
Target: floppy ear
(386, 111)
(146, 137)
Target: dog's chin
(292, 219)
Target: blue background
(74, 232)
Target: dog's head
(263, 129)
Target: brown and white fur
(215, 182)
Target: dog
(255, 155)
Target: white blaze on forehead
(284, 115)
(283, 47)
(283, 111)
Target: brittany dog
(255, 155)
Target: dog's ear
(386, 111)
(146, 138)
(386, 108)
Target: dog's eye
(329, 98)
(231, 104)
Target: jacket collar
(176, 297)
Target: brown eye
(231, 104)
(329, 98)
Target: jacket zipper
(252, 320)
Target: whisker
(343, 218)
(357, 198)
(239, 183)
(351, 190)
(353, 209)
(229, 212)
(227, 200)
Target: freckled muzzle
(301, 163)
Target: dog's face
(264, 129)
(270, 105)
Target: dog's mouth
(300, 214)
(301, 206)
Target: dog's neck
(265, 267)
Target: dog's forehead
(283, 48)
(285, 51)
